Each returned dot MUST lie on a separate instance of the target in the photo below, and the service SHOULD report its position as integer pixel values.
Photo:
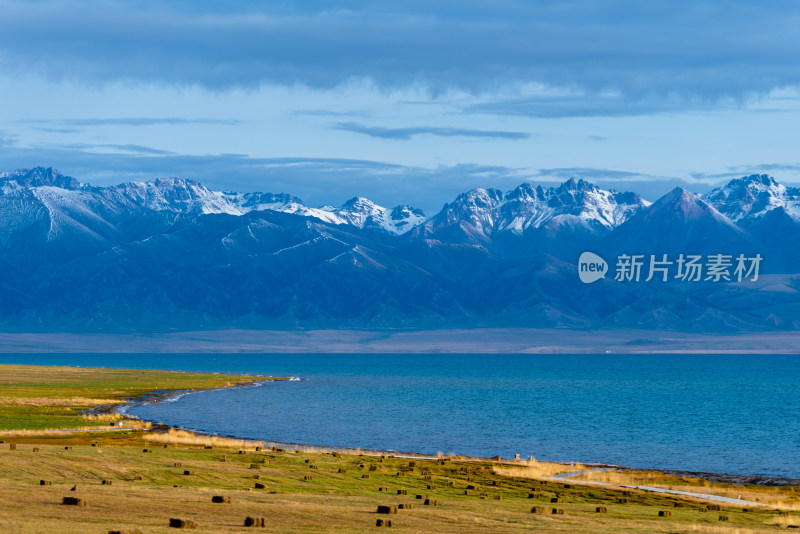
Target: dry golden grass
(56, 401)
(779, 497)
(331, 502)
(182, 437)
(536, 470)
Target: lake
(737, 414)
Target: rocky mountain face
(172, 254)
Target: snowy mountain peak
(574, 204)
(39, 177)
(174, 194)
(753, 196)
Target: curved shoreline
(740, 480)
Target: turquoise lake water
(737, 414)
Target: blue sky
(404, 102)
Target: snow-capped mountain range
(170, 253)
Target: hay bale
(67, 448)
(558, 511)
(498, 497)
(399, 474)
(366, 475)
(383, 488)
(431, 486)
(412, 464)
(342, 470)
(255, 466)
(373, 467)
(45, 483)
(221, 499)
(182, 523)
(471, 486)
(533, 495)
(279, 450)
(622, 501)
(405, 506)
(73, 501)
(177, 464)
(421, 496)
(12, 446)
(256, 477)
(188, 473)
(106, 482)
(451, 483)
(258, 449)
(495, 482)
(208, 447)
(258, 522)
(538, 510)
(556, 500)
(124, 532)
(308, 461)
(429, 502)
(664, 513)
(723, 518)
(383, 509)
(601, 510)
(137, 477)
(427, 477)
(146, 450)
(259, 485)
(713, 508)
(36, 449)
(308, 477)
(383, 523)
(241, 452)
(469, 492)
(402, 492)
(677, 505)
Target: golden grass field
(304, 491)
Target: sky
(408, 102)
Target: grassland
(304, 491)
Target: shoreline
(723, 478)
(445, 341)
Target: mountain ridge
(172, 254)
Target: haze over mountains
(172, 254)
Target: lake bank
(449, 341)
(130, 480)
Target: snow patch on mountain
(528, 207)
(753, 196)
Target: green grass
(35, 398)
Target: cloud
(556, 106)
(130, 121)
(135, 149)
(56, 130)
(653, 54)
(746, 170)
(565, 173)
(407, 133)
(596, 138)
